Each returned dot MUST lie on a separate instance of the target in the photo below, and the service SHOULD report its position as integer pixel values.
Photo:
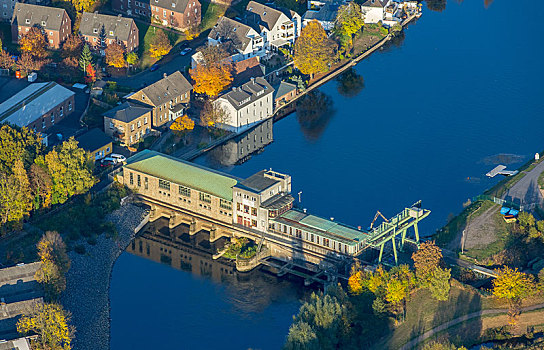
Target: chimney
(119, 18)
(304, 210)
(164, 75)
(253, 80)
(95, 13)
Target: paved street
(526, 191)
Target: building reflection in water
(248, 292)
(241, 148)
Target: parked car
(185, 51)
(106, 162)
(154, 67)
(114, 158)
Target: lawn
(212, 12)
(147, 33)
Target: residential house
(128, 123)
(9, 5)
(278, 27)
(247, 105)
(284, 93)
(178, 14)
(54, 22)
(99, 31)
(246, 40)
(96, 142)
(324, 12)
(244, 70)
(168, 98)
(38, 106)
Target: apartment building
(167, 98)
(178, 14)
(128, 123)
(8, 6)
(99, 31)
(54, 22)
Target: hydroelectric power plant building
(259, 207)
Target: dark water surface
(461, 91)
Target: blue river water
(459, 92)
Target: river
(458, 93)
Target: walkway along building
(259, 207)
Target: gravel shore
(88, 281)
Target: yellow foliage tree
(426, 259)
(395, 291)
(33, 42)
(50, 323)
(513, 286)
(183, 123)
(355, 283)
(160, 46)
(211, 79)
(55, 263)
(314, 51)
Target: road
(526, 191)
(412, 343)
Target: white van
(114, 158)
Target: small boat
(509, 218)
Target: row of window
(288, 230)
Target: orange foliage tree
(427, 258)
(115, 55)
(160, 45)
(91, 74)
(211, 79)
(183, 123)
(33, 42)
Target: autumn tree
(55, 263)
(28, 63)
(6, 61)
(349, 21)
(90, 76)
(33, 42)
(15, 195)
(115, 55)
(83, 5)
(160, 46)
(132, 58)
(51, 323)
(513, 286)
(182, 123)
(85, 58)
(72, 46)
(18, 143)
(439, 283)
(442, 346)
(212, 114)
(314, 51)
(211, 80)
(40, 186)
(70, 169)
(426, 259)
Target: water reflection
(243, 147)
(314, 111)
(350, 84)
(436, 5)
(248, 293)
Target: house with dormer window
(247, 105)
(54, 23)
(100, 30)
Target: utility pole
(463, 238)
(299, 193)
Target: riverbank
(88, 280)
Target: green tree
(314, 51)
(513, 286)
(132, 58)
(18, 143)
(349, 21)
(301, 337)
(526, 220)
(442, 346)
(51, 323)
(40, 185)
(70, 170)
(439, 284)
(15, 195)
(86, 58)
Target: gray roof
(327, 13)
(49, 18)
(91, 24)
(17, 283)
(262, 15)
(127, 112)
(93, 140)
(253, 90)
(258, 182)
(278, 201)
(375, 3)
(171, 5)
(15, 344)
(167, 88)
(283, 89)
(229, 29)
(32, 102)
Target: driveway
(526, 191)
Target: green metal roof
(183, 173)
(323, 227)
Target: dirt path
(412, 343)
(482, 229)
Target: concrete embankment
(88, 280)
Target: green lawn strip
(424, 313)
(493, 248)
(211, 14)
(147, 33)
(459, 222)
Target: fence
(500, 201)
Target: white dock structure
(501, 170)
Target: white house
(279, 27)
(374, 10)
(388, 12)
(247, 105)
(246, 40)
(323, 11)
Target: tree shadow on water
(314, 112)
(350, 84)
